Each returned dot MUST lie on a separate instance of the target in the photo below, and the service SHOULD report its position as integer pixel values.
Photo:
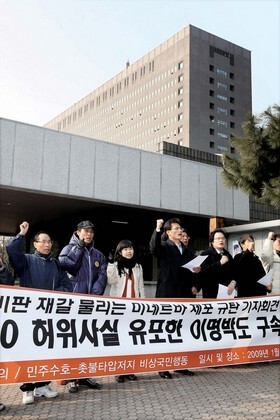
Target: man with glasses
(39, 271)
(218, 268)
(173, 280)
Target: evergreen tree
(257, 169)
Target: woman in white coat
(270, 258)
(125, 276)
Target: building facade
(193, 90)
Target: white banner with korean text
(52, 336)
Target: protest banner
(49, 335)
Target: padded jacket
(86, 266)
(37, 270)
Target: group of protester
(81, 268)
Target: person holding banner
(87, 269)
(125, 276)
(174, 281)
(270, 258)
(39, 271)
(218, 268)
(249, 270)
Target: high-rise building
(193, 90)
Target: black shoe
(165, 375)
(73, 387)
(120, 378)
(185, 372)
(131, 377)
(90, 383)
(2, 407)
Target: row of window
(222, 122)
(221, 148)
(89, 106)
(221, 85)
(221, 110)
(222, 97)
(221, 72)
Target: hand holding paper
(223, 293)
(196, 262)
(267, 279)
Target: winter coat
(173, 280)
(86, 267)
(249, 270)
(214, 273)
(118, 282)
(6, 277)
(271, 260)
(37, 270)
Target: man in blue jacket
(39, 271)
(87, 269)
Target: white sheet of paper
(223, 294)
(196, 262)
(267, 279)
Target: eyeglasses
(177, 228)
(44, 242)
(220, 239)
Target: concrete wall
(52, 162)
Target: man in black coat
(173, 280)
(218, 268)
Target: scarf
(126, 263)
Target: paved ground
(235, 392)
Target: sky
(55, 52)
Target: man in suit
(173, 280)
(218, 268)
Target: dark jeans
(32, 386)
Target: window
(180, 78)
(222, 97)
(211, 92)
(221, 110)
(232, 150)
(232, 100)
(222, 136)
(180, 142)
(231, 75)
(180, 65)
(221, 85)
(180, 129)
(180, 91)
(212, 131)
(180, 117)
(211, 105)
(222, 73)
(211, 80)
(223, 123)
(211, 68)
(232, 124)
(212, 118)
(180, 103)
(212, 144)
(223, 148)
(232, 112)
(231, 87)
